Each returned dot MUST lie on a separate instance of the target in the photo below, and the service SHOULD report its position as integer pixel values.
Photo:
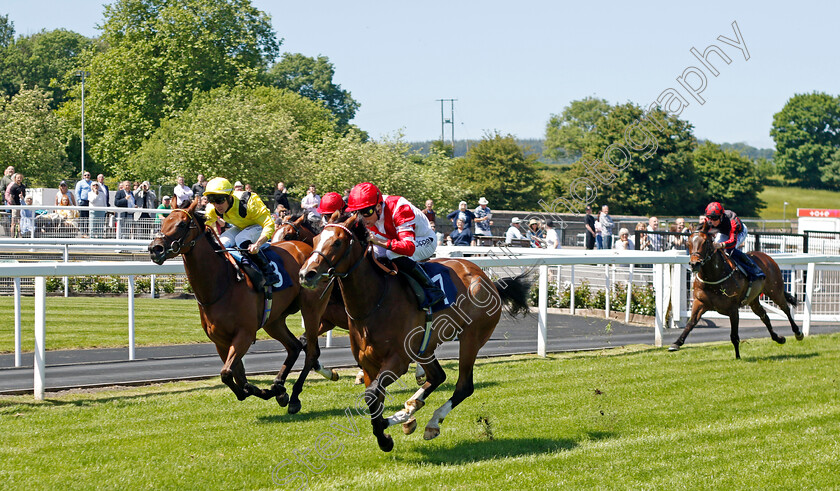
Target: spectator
(654, 239)
(599, 239)
(280, 214)
(607, 225)
(198, 188)
(535, 234)
(15, 195)
(104, 189)
(429, 212)
(644, 241)
(64, 192)
(624, 242)
(513, 232)
(145, 198)
(678, 241)
(62, 218)
(461, 236)
(589, 223)
(5, 182)
(281, 196)
(166, 204)
(125, 199)
(310, 203)
(96, 197)
(183, 194)
(483, 214)
(237, 186)
(346, 195)
(248, 188)
(82, 190)
(552, 239)
(462, 213)
(27, 219)
(438, 235)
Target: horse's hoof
(360, 378)
(674, 347)
(386, 443)
(409, 426)
(282, 399)
(414, 405)
(294, 407)
(431, 433)
(781, 340)
(800, 337)
(334, 377)
(420, 380)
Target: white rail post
(809, 296)
(40, 334)
(659, 303)
(17, 323)
(66, 279)
(677, 294)
(152, 288)
(329, 340)
(572, 290)
(543, 308)
(131, 317)
(629, 294)
(607, 291)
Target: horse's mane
(358, 229)
(201, 219)
(313, 226)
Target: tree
(7, 31)
(160, 54)
(46, 59)
(728, 177)
(807, 133)
(313, 79)
(497, 168)
(242, 134)
(565, 133)
(30, 138)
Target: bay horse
(386, 326)
(231, 310)
(295, 228)
(720, 286)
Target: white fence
(669, 279)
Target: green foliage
(443, 148)
(642, 298)
(807, 135)
(46, 59)
(54, 284)
(728, 177)
(160, 54)
(242, 134)
(313, 78)
(30, 137)
(497, 168)
(566, 133)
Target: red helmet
(714, 210)
(363, 196)
(329, 203)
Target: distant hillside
(532, 146)
(749, 151)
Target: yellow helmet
(218, 185)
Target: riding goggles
(216, 198)
(713, 217)
(366, 212)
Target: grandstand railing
(669, 282)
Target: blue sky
(511, 65)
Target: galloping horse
(295, 228)
(720, 286)
(231, 310)
(386, 326)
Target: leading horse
(386, 326)
(722, 287)
(232, 311)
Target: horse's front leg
(375, 397)
(698, 308)
(733, 334)
(233, 371)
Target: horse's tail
(791, 299)
(514, 292)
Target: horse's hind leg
(762, 314)
(434, 377)
(733, 334)
(464, 387)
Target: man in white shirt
(552, 239)
(183, 194)
(513, 232)
(310, 203)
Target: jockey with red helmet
(400, 231)
(330, 203)
(730, 233)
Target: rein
(708, 258)
(176, 245)
(295, 226)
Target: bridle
(296, 228)
(703, 261)
(331, 272)
(178, 245)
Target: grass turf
(775, 198)
(632, 418)
(102, 322)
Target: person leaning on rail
(250, 220)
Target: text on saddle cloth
(440, 274)
(276, 262)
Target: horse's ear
(705, 227)
(335, 216)
(351, 220)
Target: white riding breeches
(742, 237)
(424, 248)
(238, 236)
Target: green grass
(635, 418)
(102, 322)
(798, 198)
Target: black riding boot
(752, 269)
(433, 292)
(271, 276)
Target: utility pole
(450, 121)
(83, 74)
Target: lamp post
(83, 74)
(784, 213)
